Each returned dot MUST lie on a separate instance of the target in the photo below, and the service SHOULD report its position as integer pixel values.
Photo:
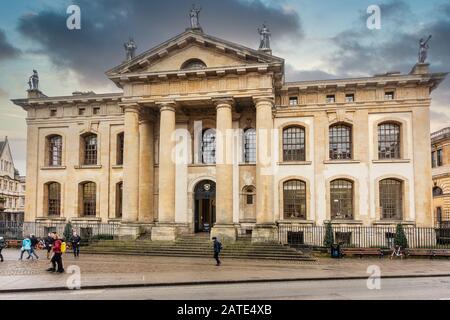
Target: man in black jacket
(48, 244)
(75, 240)
(217, 249)
(2, 246)
(34, 241)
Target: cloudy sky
(318, 39)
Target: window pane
(54, 199)
(250, 145)
(340, 142)
(294, 199)
(341, 192)
(55, 150)
(209, 146)
(391, 199)
(89, 199)
(119, 197)
(388, 141)
(120, 146)
(90, 150)
(294, 144)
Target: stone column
(165, 229)
(146, 172)
(265, 229)
(130, 209)
(224, 227)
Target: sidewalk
(99, 271)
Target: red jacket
(57, 246)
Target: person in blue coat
(26, 247)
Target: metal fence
(364, 237)
(87, 231)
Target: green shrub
(329, 235)
(400, 237)
(68, 229)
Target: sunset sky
(318, 39)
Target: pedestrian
(217, 249)
(2, 246)
(48, 244)
(26, 247)
(34, 242)
(57, 255)
(397, 252)
(75, 241)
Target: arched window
(340, 136)
(193, 64)
(294, 144)
(391, 199)
(209, 146)
(250, 145)
(88, 196)
(90, 149)
(119, 197)
(249, 193)
(388, 141)
(54, 149)
(120, 145)
(53, 193)
(341, 198)
(294, 199)
(437, 191)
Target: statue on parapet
(130, 48)
(194, 15)
(33, 81)
(265, 37)
(423, 49)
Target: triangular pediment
(213, 52)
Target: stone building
(12, 187)
(207, 133)
(440, 162)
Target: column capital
(130, 107)
(166, 105)
(223, 102)
(263, 99)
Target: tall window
(388, 141)
(439, 158)
(294, 144)
(340, 136)
(53, 199)
(391, 199)
(120, 145)
(250, 145)
(294, 199)
(54, 150)
(119, 197)
(90, 149)
(341, 197)
(89, 199)
(209, 146)
(433, 159)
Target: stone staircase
(198, 246)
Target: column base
(265, 233)
(224, 232)
(164, 232)
(129, 231)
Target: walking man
(75, 240)
(26, 246)
(34, 242)
(2, 246)
(217, 249)
(57, 255)
(48, 244)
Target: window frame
(387, 129)
(399, 202)
(347, 196)
(291, 200)
(334, 137)
(291, 149)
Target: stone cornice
(223, 102)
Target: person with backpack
(75, 241)
(48, 244)
(217, 248)
(34, 242)
(57, 255)
(2, 246)
(26, 247)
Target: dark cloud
(106, 24)
(293, 74)
(7, 51)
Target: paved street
(417, 288)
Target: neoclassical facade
(440, 162)
(207, 134)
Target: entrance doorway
(205, 205)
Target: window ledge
(52, 218)
(344, 221)
(117, 166)
(53, 168)
(247, 164)
(202, 165)
(86, 219)
(293, 163)
(341, 161)
(89, 166)
(391, 161)
(293, 221)
(392, 222)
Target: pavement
(116, 271)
